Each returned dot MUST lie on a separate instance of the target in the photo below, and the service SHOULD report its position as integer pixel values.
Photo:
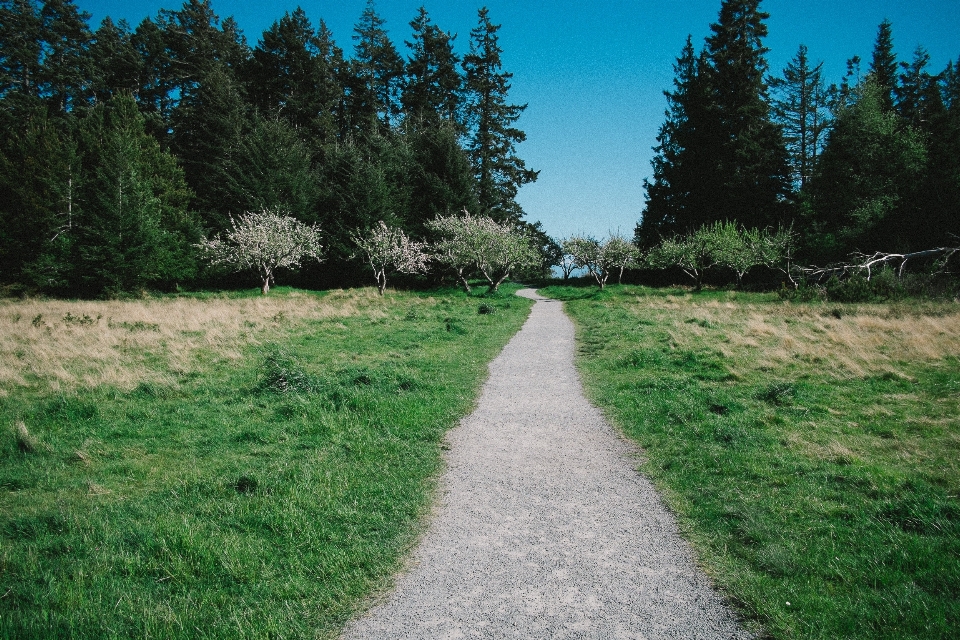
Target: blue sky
(593, 73)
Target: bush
(887, 285)
(805, 292)
(856, 288)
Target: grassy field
(811, 451)
(224, 466)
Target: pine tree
(883, 66)
(441, 179)
(918, 93)
(674, 200)
(65, 72)
(939, 203)
(270, 168)
(179, 49)
(195, 38)
(156, 96)
(116, 64)
(377, 75)
(133, 230)
(750, 183)
(38, 182)
(208, 124)
(867, 180)
(433, 90)
(293, 73)
(799, 106)
(498, 171)
(21, 48)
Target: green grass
(811, 452)
(262, 494)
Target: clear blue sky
(593, 73)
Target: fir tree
(293, 73)
(133, 230)
(883, 66)
(270, 168)
(433, 86)
(799, 106)
(66, 71)
(918, 94)
(867, 181)
(498, 171)
(208, 124)
(377, 75)
(674, 201)
(21, 48)
(38, 182)
(441, 179)
(117, 66)
(750, 182)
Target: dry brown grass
(63, 344)
(865, 340)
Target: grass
(811, 451)
(224, 466)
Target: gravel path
(544, 528)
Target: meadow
(811, 451)
(225, 466)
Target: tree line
(868, 164)
(123, 148)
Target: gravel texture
(545, 529)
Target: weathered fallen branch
(869, 263)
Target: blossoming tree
(264, 241)
(492, 248)
(389, 249)
(601, 259)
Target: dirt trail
(544, 528)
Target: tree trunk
(381, 282)
(463, 280)
(495, 286)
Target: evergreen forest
(868, 164)
(123, 147)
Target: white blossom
(263, 242)
(389, 249)
(600, 259)
(492, 248)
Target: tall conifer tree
(293, 74)
(377, 72)
(799, 105)
(883, 65)
(498, 171)
(672, 204)
(750, 182)
(433, 89)
(116, 64)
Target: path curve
(544, 527)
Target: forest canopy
(868, 164)
(124, 147)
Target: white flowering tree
(600, 259)
(455, 249)
(567, 262)
(390, 250)
(263, 241)
(492, 248)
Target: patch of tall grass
(225, 467)
(811, 451)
